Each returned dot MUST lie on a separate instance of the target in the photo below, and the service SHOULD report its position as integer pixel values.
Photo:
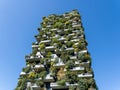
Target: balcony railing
(50, 48)
(22, 74)
(56, 86)
(62, 39)
(48, 78)
(39, 66)
(45, 41)
(32, 58)
(55, 29)
(78, 25)
(35, 46)
(35, 87)
(69, 49)
(48, 26)
(59, 64)
(68, 84)
(83, 51)
(76, 69)
(75, 40)
(73, 57)
(61, 31)
(85, 75)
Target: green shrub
(27, 69)
(61, 82)
(40, 83)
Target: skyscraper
(59, 59)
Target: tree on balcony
(40, 83)
(42, 46)
(71, 77)
(49, 55)
(58, 25)
(27, 69)
(70, 64)
(21, 84)
(82, 84)
(61, 82)
(42, 74)
(69, 44)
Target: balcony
(50, 48)
(67, 17)
(39, 66)
(76, 31)
(54, 56)
(55, 29)
(22, 74)
(78, 25)
(48, 78)
(72, 34)
(76, 69)
(48, 26)
(75, 37)
(59, 64)
(84, 63)
(32, 58)
(56, 86)
(37, 37)
(83, 51)
(45, 41)
(38, 54)
(69, 49)
(74, 23)
(86, 75)
(73, 57)
(35, 46)
(29, 84)
(35, 87)
(60, 31)
(68, 84)
(56, 36)
(77, 62)
(75, 40)
(62, 39)
(66, 29)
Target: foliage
(64, 57)
(34, 51)
(69, 44)
(49, 54)
(61, 82)
(28, 88)
(69, 64)
(71, 77)
(59, 45)
(32, 75)
(56, 60)
(82, 84)
(42, 46)
(42, 61)
(40, 83)
(27, 69)
(21, 84)
(72, 87)
(42, 74)
(54, 40)
(58, 25)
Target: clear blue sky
(19, 20)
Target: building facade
(59, 59)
